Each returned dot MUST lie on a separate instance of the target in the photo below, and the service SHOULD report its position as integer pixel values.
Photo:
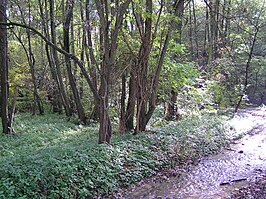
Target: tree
(255, 26)
(56, 62)
(111, 19)
(6, 120)
(170, 104)
(31, 60)
(147, 84)
(72, 82)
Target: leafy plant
(52, 158)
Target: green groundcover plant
(52, 158)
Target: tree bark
(31, 60)
(6, 123)
(170, 104)
(53, 92)
(108, 43)
(142, 68)
(92, 63)
(58, 71)
(122, 123)
(146, 99)
(247, 68)
(130, 110)
(72, 81)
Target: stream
(219, 175)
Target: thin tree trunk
(191, 30)
(31, 60)
(53, 91)
(72, 82)
(227, 24)
(122, 122)
(195, 28)
(247, 69)
(61, 87)
(92, 60)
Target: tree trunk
(170, 104)
(122, 122)
(130, 111)
(108, 45)
(61, 87)
(146, 99)
(227, 23)
(170, 107)
(31, 60)
(247, 68)
(142, 70)
(72, 82)
(105, 131)
(53, 91)
(92, 63)
(6, 123)
(180, 15)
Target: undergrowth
(52, 158)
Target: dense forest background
(115, 62)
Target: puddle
(217, 176)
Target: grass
(50, 157)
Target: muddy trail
(219, 175)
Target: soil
(255, 190)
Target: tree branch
(60, 50)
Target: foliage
(51, 158)
(256, 88)
(177, 75)
(207, 69)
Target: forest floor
(239, 171)
(52, 157)
(257, 188)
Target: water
(216, 176)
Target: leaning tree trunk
(72, 82)
(247, 69)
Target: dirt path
(218, 176)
